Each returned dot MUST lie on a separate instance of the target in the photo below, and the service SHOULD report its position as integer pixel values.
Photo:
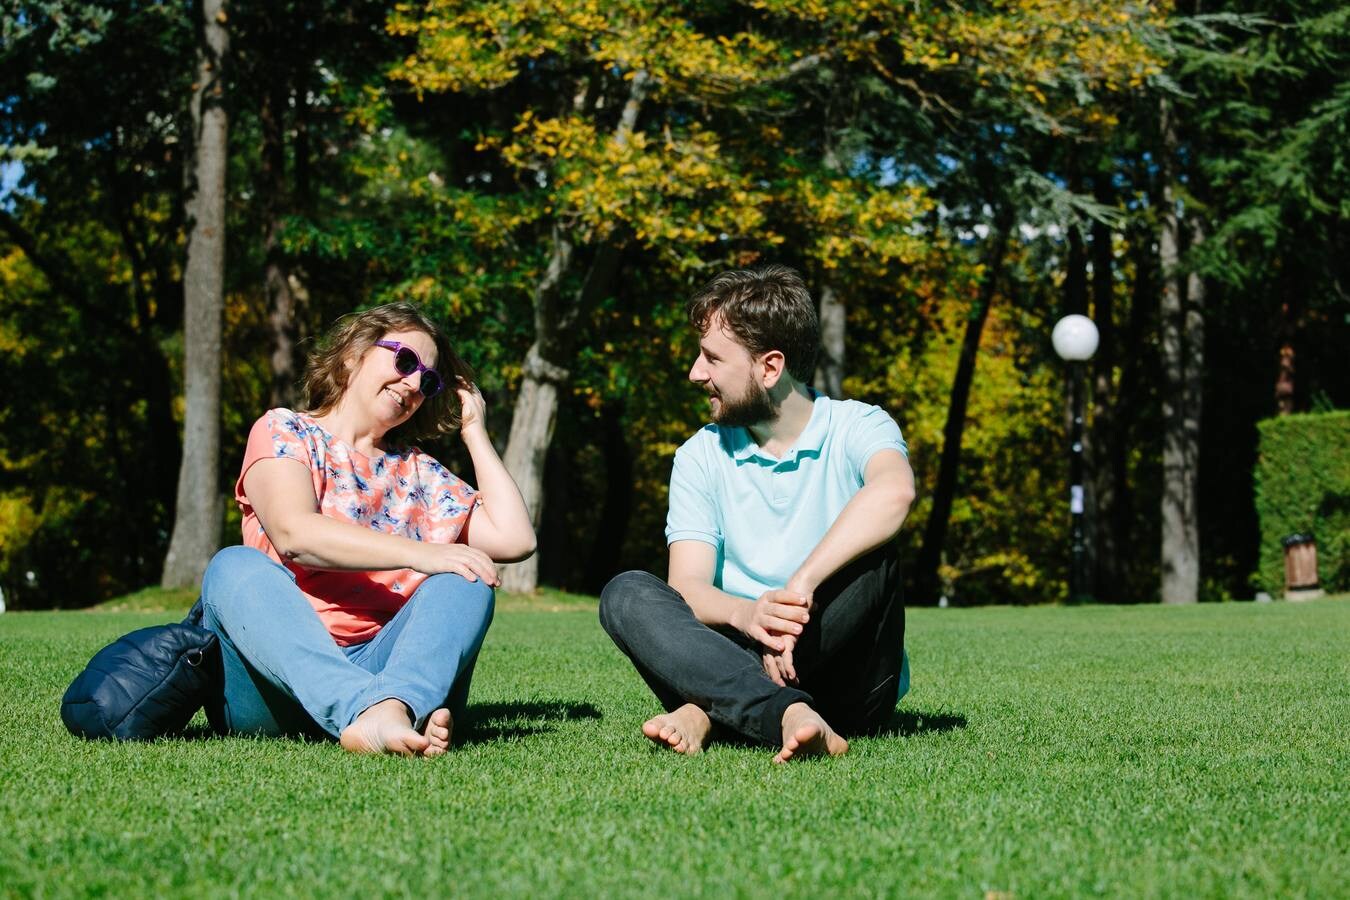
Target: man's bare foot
(440, 727)
(805, 733)
(385, 728)
(683, 730)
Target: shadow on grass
(903, 723)
(196, 732)
(504, 721)
(485, 722)
(201, 732)
(908, 723)
(488, 722)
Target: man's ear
(773, 366)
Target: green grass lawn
(1047, 752)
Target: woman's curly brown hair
(353, 335)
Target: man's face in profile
(726, 371)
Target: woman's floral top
(405, 493)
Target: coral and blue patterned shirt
(406, 493)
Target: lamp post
(1075, 340)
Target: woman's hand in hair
(472, 406)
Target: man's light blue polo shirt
(764, 514)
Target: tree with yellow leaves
(609, 147)
(636, 129)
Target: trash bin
(1300, 567)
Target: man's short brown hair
(767, 308)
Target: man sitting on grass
(781, 619)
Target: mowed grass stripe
(1042, 752)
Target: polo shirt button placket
(780, 494)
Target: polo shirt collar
(810, 442)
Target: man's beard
(752, 407)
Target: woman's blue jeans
(284, 673)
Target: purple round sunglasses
(406, 362)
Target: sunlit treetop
(668, 190)
(686, 172)
(465, 46)
(1050, 58)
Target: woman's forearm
(316, 541)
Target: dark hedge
(1303, 486)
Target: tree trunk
(1076, 303)
(281, 299)
(1104, 436)
(198, 513)
(607, 549)
(1285, 384)
(1075, 275)
(829, 378)
(536, 406)
(555, 321)
(1135, 368)
(556, 519)
(1180, 562)
(1193, 396)
(833, 320)
(1284, 381)
(927, 583)
(531, 432)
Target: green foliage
(79, 515)
(996, 552)
(1303, 486)
(435, 150)
(60, 25)
(89, 291)
(18, 522)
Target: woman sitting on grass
(363, 591)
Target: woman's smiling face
(378, 388)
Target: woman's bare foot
(683, 730)
(384, 728)
(440, 727)
(805, 733)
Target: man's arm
(871, 518)
(775, 613)
(867, 521)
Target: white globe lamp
(1075, 338)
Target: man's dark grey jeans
(847, 659)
